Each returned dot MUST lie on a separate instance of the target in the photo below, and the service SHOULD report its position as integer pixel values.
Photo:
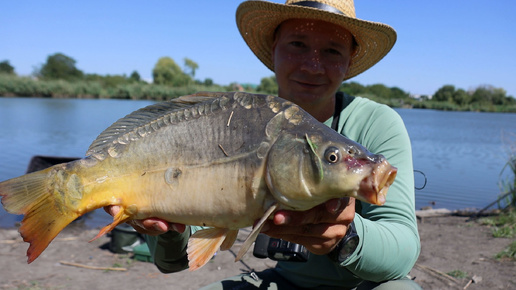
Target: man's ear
(272, 52)
(347, 70)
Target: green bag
(124, 238)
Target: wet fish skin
(213, 159)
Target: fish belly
(222, 195)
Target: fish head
(304, 170)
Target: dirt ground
(449, 243)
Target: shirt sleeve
(389, 241)
(169, 249)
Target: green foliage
(489, 95)
(503, 225)
(268, 85)
(167, 72)
(460, 97)
(444, 94)
(190, 66)
(508, 184)
(482, 99)
(458, 274)
(59, 66)
(507, 253)
(96, 88)
(507, 179)
(6, 68)
(59, 77)
(353, 89)
(378, 92)
(16, 86)
(134, 77)
(208, 82)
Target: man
(312, 46)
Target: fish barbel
(221, 160)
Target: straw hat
(257, 21)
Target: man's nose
(313, 63)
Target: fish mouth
(373, 188)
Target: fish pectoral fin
(203, 244)
(120, 218)
(229, 240)
(254, 233)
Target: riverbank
(449, 244)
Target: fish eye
(332, 155)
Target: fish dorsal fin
(149, 119)
(254, 233)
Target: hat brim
(257, 21)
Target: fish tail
(45, 212)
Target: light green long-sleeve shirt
(389, 241)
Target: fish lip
(373, 188)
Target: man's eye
(297, 44)
(334, 51)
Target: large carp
(222, 160)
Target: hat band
(319, 5)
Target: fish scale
(222, 160)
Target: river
(461, 154)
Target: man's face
(311, 59)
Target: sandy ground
(448, 243)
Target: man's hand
(149, 226)
(319, 229)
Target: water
(461, 153)
(56, 127)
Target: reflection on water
(56, 127)
(460, 153)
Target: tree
(444, 94)
(190, 66)
(268, 85)
(135, 77)
(489, 95)
(397, 93)
(6, 68)
(380, 91)
(352, 88)
(167, 72)
(499, 96)
(59, 66)
(208, 82)
(461, 97)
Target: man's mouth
(308, 85)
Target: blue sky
(463, 43)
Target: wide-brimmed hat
(258, 20)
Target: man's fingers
(112, 209)
(307, 230)
(329, 212)
(337, 205)
(318, 239)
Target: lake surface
(460, 153)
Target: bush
(507, 253)
(503, 225)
